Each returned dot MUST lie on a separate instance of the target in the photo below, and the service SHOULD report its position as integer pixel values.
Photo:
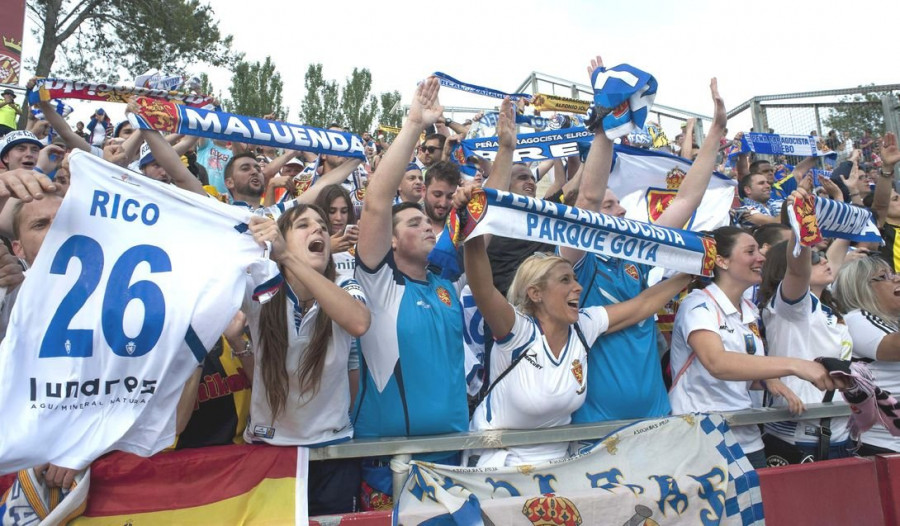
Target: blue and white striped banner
(450, 82)
(774, 144)
(539, 146)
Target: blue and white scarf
(774, 144)
(626, 93)
(58, 106)
(450, 82)
(553, 144)
(177, 118)
(519, 217)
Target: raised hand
(425, 109)
(720, 118)
(595, 63)
(506, 124)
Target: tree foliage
(320, 105)
(857, 117)
(256, 90)
(391, 112)
(358, 108)
(102, 39)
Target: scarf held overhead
(175, 118)
(47, 89)
(774, 144)
(539, 146)
(450, 82)
(520, 217)
(818, 217)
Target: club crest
(754, 328)
(160, 114)
(444, 296)
(709, 256)
(551, 510)
(632, 271)
(578, 372)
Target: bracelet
(248, 350)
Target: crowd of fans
(365, 339)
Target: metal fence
(401, 449)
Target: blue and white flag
(450, 82)
(681, 470)
(58, 106)
(519, 217)
(627, 93)
(774, 144)
(646, 182)
(166, 116)
(539, 146)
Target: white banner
(685, 470)
(646, 182)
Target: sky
(754, 48)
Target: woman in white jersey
(717, 352)
(801, 321)
(542, 339)
(868, 293)
(302, 338)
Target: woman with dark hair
(868, 292)
(303, 336)
(335, 201)
(801, 321)
(717, 349)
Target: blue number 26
(62, 341)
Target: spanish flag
(235, 484)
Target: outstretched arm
(501, 172)
(647, 303)
(375, 232)
(697, 178)
(498, 313)
(890, 155)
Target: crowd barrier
(847, 491)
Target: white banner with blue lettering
(646, 182)
(520, 217)
(682, 470)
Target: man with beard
(244, 180)
(441, 181)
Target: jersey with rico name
(116, 314)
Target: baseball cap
(296, 161)
(146, 157)
(17, 137)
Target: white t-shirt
(867, 331)
(804, 329)
(305, 420)
(345, 263)
(541, 391)
(115, 315)
(697, 390)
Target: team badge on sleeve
(632, 271)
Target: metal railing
(402, 448)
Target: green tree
(391, 112)
(100, 39)
(857, 114)
(256, 89)
(358, 108)
(320, 105)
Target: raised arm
(647, 303)
(697, 178)
(375, 231)
(501, 172)
(73, 140)
(687, 140)
(498, 313)
(336, 176)
(890, 154)
(166, 156)
(796, 277)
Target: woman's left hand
(266, 229)
(775, 387)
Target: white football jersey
(117, 311)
